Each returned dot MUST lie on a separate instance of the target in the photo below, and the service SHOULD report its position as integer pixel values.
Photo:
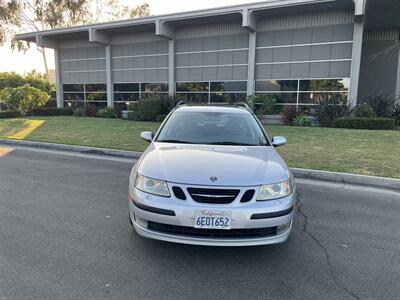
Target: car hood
(196, 164)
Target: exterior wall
(82, 62)
(293, 53)
(379, 63)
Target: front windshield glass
(212, 128)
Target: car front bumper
(276, 215)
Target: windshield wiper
(174, 141)
(232, 144)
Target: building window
(219, 91)
(87, 93)
(303, 92)
(129, 92)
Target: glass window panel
(325, 85)
(227, 97)
(74, 96)
(283, 98)
(192, 97)
(230, 86)
(192, 86)
(126, 87)
(314, 98)
(154, 87)
(96, 87)
(276, 85)
(73, 87)
(125, 97)
(96, 97)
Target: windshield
(212, 128)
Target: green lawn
(352, 151)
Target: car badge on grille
(213, 178)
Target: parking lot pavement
(64, 234)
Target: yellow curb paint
(31, 125)
(4, 151)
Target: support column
(398, 77)
(109, 81)
(59, 88)
(355, 64)
(171, 67)
(252, 63)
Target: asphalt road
(64, 234)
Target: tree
(36, 15)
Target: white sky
(22, 63)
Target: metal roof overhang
(164, 25)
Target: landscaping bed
(366, 152)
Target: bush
(301, 121)
(150, 109)
(9, 114)
(365, 123)
(34, 79)
(289, 113)
(132, 106)
(396, 113)
(381, 104)
(161, 118)
(106, 113)
(364, 110)
(24, 98)
(133, 116)
(51, 111)
(330, 109)
(91, 110)
(267, 104)
(79, 112)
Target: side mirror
(278, 141)
(147, 136)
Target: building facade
(296, 50)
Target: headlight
(151, 186)
(275, 191)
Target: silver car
(211, 176)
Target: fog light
(141, 222)
(284, 227)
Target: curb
(72, 148)
(345, 178)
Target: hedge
(9, 114)
(51, 111)
(366, 123)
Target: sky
(31, 60)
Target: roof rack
(180, 103)
(240, 104)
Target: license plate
(212, 219)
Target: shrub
(91, 110)
(365, 123)
(381, 104)
(289, 113)
(24, 98)
(106, 113)
(34, 79)
(364, 110)
(396, 112)
(133, 116)
(301, 121)
(79, 112)
(132, 106)
(9, 114)
(150, 109)
(267, 104)
(51, 111)
(161, 118)
(330, 109)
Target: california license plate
(212, 219)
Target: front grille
(212, 233)
(178, 192)
(213, 196)
(247, 196)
